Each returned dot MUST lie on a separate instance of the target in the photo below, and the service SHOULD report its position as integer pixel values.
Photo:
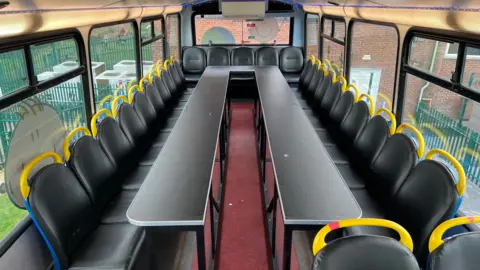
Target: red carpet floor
(243, 239)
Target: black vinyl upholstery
(242, 56)
(218, 56)
(291, 60)
(194, 60)
(266, 56)
(365, 252)
(459, 252)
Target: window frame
(348, 53)
(34, 88)
(454, 55)
(138, 55)
(305, 37)
(152, 21)
(179, 35)
(194, 36)
(332, 38)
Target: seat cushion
(185, 97)
(316, 123)
(110, 246)
(292, 77)
(134, 180)
(336, 154)
(180, 105)
(353, 180)
(150, 156)
(161, 139)
(116, 211)
(189, 90)
(325, 137)
(193, 78)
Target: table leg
(222, 152)
(287, 247)
(202, 263)
(263, 151)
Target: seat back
(315, 81)
(218, 56)
(341, 109)
(133, 127)
(364, 251)
(194, 60)
(95, 171)
(323, 87)
(332, 96)
(242, 56)
(174, 74)
(168, 81)
(61, 210)
(459, 252)
(306, 69)
(178, 68)
(303, 85)
(116, 145)
(155, 99)
(266, 56)
(426, 198)
(146, 112)
(291, 61)
(162, 89)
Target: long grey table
(310, 190)
(176, 194)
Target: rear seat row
(378, 161)
(80, 207)
(289, 60)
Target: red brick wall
(238, 28)
(172, 34)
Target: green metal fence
(457, 139)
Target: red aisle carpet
(243, 239)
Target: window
(215, 29)
(471, 71)
(36, 124)
(173, 35)
(373, 61)
(333, 47)
(312, 29)
(152, 44)
(452, 51)
(424, 56)
(112, 52)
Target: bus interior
(240, 134)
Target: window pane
(334, 53)
(435, 57)
(146, 30)
(312, 34)
(374, 62)
(216, 29)
(157, 25)
(112, 50)
(13, 71)
(172, 35)
(152, 53)
(450, 122)
(327, 27)
(471, 73)
(29, 128)
(339, 30)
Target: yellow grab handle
(392, 118)
(157, 70)
(437, 234)
(335, 66)
(130, 84)
(355, 89)
(437, 132)
(344, 82)
(371, 107)
(334, 76)
(421, 141)
(24, 187)
(318, 62)
(150, 76)
(462, 178)
(105, 99)
(319, 241)
(325, 60)
(93, 122)
(114, 104)
(172, 58)
(167, 62)
(389, 103)
(117, 90)
(66, 151)
(313, 60)
(324, 68)
(130, 92)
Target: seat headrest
(342, 108)
(61, 210)
(459, 252)
(218, 56)
(291, 60)
(242, 56)
(115, 143)
(131, 124)
(365, 252)
(371, 139)
(194, 60)
(266, 56)
(155, 99)
(144, 109)
(355, 120)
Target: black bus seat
(459, 252)
(364, 252)
(266, 56)
(309, 62)
(98, 176)
(329, 77)
(427, 197)
(163, 90)
(169, 83)
(65, 217)
(178, 68)
(315, 80)
(218, 56)
(194, 61)
(303, 83)
(168, 65)
(242, 56)
(291, 64)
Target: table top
(311, 190)
(176, 189)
